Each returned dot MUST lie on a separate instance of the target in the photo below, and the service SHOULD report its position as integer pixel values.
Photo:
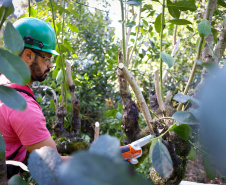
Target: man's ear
(28, 56)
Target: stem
(200, 149)
(62, 64)
(161, 36)
(65, 87)
(123, 34)
(137, 33)
(29, 8)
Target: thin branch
(158, 92)
(161, 37)
(44, 87)
(137, 33)
(123, 33)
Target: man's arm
(47, 142)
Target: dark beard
(36, 74)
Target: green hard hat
(37, 34)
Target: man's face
(39, 69)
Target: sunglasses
(46, 60)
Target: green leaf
(6, 11)
(222, 3)
(209, 168)
(130, 24)
(184, 131)
(17, 180)
(12, 99)
(204, 28)
(110, 113)
(174, 12)
(45, 163)
(14, 68)
(73, 28)
(134, 2)
(184, 5)
(153, 143)
(2, 146)
(184, 98)
(13, 39)
(60, 77)
(33, 12)
(161, 160)
(158, 23)
(214, 31)
(180, 21)
(6, 3)
(167, 59)
(192, 154)
(100, 167)
(185, 117)
(107, 146)
(211, 49)
(119, 115)
(190, 28)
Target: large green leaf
(158, 23)
(174, 12)
(107, 146)
(110, 113)
(13, 39)
(130, 24)
(44, 163)
(5, 11)
(60, 77)
(2, 147)
(11, 98)
(101, 165)
(134, 2)
(180, 21)
(184, 5)
(204, 28)
(184, 131)
(185, 117)
(73, 28)
(192, 154)
(184, 98)
(6, 3)
(209, 168)
(161, 160)
(17, 180)
(33, 12)
(14, 68)
(167, 59)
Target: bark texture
(131, 113)
(76, 117)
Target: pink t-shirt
(22, 127)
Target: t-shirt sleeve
(29, 125)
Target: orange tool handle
(128, 152)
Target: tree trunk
(131, 112)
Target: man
(26, 130)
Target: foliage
(100, 165)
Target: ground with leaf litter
(196, 173)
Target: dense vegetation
(168, 47)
